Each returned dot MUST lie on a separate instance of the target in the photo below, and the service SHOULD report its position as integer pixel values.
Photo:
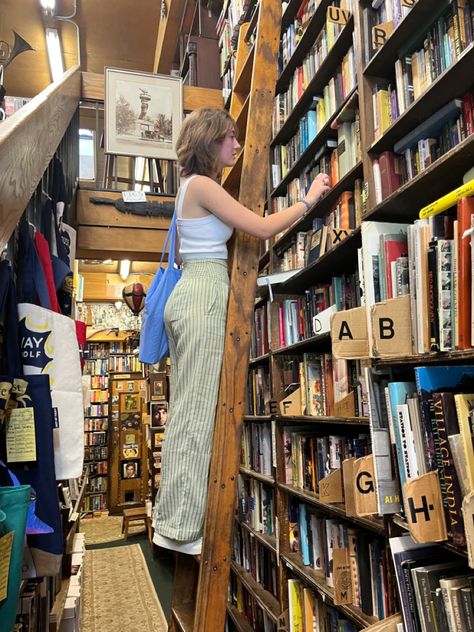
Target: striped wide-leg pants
(195, 317)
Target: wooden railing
(28, 140)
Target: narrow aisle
(124, 588)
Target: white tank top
(200, 237)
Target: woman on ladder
(195, 316)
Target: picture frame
(158, 414)
(130, 469)
(143, 113)
(129, 402)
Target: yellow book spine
(448, 200)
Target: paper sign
(330, 488)
(424, 509)
(133, 196)
(342, 577)
(5, 552)
(364, 486)
(21, 439)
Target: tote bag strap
(171, 236)
(10, 362)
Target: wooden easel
(200, 588)
(161, 174)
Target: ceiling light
(124, 269)
(118, 304)
(49, 6)
(55, 55)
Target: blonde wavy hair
(199, 141)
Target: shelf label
(336, 15)
(364, 486)
(283, 622)
(391, 328)
(342, 577)
(349, 335)
(348, 482)
(133, 196)
(424, 509)
(381, 33)
(330, 488)
(291, 405)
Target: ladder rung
(239, 620)
(231, 178)
(183, 616)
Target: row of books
(97, 410)
(99, 381)
(256, 559)
(249, 607)
(436, 590)
(259, 343)
(308, 246)
(427, 424)
(99, 396)
(291, 36)
(98, 484)
(378, 13)
(257, 452)
(258, 391)
(97, 502)
(97, 367)
(95, 453)
(95, 438)
(314, 538)
(296, 315)
(256, 504)
(310, 456)
(431, 260)
(308, 611)
(124, 364)
(309, 126)
(98, 467)
(303, 74)
(91, 424)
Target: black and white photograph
(143, 113)
(131, 469)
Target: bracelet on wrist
(306, 203)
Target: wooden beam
(93, 88)
(99, 287)
(89, 214)
(28, 140)
(167, 39)
(130, 243)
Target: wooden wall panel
(129, 243)
(108, 287)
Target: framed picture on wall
(131, 469)
(143, 113)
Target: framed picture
(129, 402)
(130, 451)
(158, 387)
(131, 469)
(143, 113)
(158, 414)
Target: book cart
(341, 448)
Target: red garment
(44, 255)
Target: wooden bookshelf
(317, 581)
(269, 541)
(239, 620)
(406, 34)
(320, 209)
(269, 480)
(265, 599)
(313, 343)
(316, 420)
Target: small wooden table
(138, 514)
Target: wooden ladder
(201, 586)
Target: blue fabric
(153, 338)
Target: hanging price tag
(21, 438)
(6, 543)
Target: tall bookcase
(342, 105)
(102, 359)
